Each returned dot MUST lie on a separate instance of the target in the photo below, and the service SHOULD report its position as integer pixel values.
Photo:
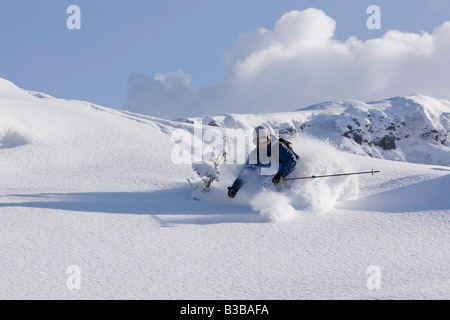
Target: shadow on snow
(168, 207)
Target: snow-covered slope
(413, 128)
(97, 188)
(50, 143)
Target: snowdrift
(93, 187)
(56, 145)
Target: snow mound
(273, 206)
(78, 146)
(11, 139)
(9, 89)
(431, 194)
(39, 95)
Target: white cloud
(299, 63)
(173, 80)
(299, 28)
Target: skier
(261, 157)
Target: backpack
(288, 145)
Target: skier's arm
(240, 180)
(238, 183)
(287, 161)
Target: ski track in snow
(93, 187)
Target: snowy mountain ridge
(413, 128)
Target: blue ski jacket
(287, 163)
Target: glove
(232, 192)
(278, 179)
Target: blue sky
(119, 38)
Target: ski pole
(332, 175)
